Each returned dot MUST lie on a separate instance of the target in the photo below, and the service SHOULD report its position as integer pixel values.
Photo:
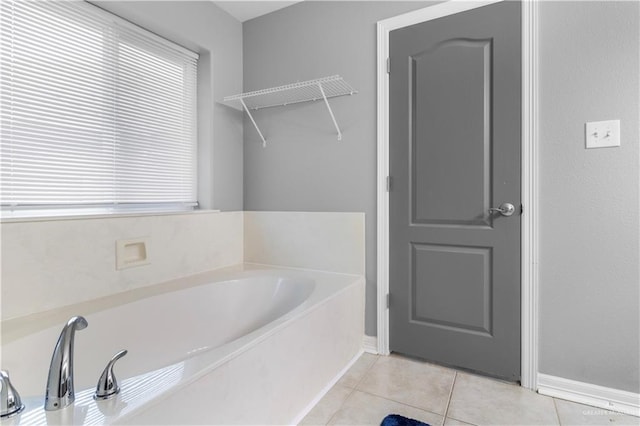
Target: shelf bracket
(264, 141)
(330, 111)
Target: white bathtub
(243, 345)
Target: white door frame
(529, 241)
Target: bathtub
(242, 345)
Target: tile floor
(377, 385)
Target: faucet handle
(107, 384)
(10, 399)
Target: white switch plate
(602, 134)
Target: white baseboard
(370, 344)
(588, 394)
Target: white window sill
(113, 215)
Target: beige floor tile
(365, 409)
(571, 413)
(327, 406)
(419, 384)
(484, 401)
(357, 370)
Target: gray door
(454, 154)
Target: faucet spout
(59, 393)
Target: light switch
(602, 134)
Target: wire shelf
(304, 91)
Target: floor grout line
(403, 402)
(555, 407)
(340, 407)
(354, 388)
(446, 410)
(397, 402)
(367, 371)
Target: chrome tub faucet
(59, 393)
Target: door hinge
(388, 66)
(389, 183)
(388, 297)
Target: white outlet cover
(602, 134)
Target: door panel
(458, 299)
(455, 153)
(441, 99)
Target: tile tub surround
(54, 263)
(325, 241)
(376, 386)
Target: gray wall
(589, 207)
(304, 167)
(589, 199)
(589, 230)
(204, 28)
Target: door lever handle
(505, 209)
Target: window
(96, 115)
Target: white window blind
(96, 113)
